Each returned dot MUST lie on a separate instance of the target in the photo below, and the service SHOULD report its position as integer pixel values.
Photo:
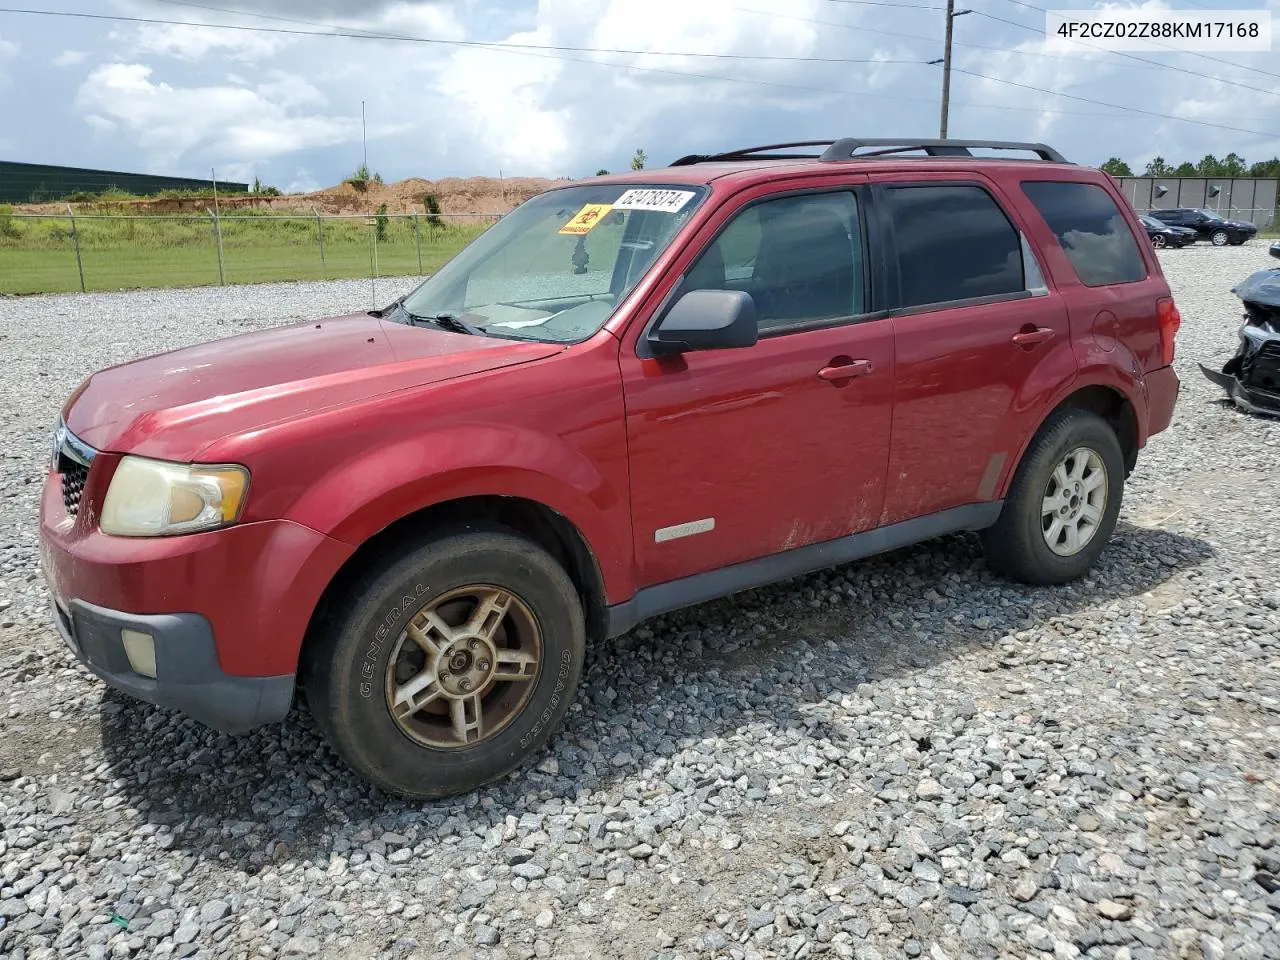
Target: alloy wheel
(463, 667)
(1074, 502)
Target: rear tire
(450, 665)
(1063, 503)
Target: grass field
(39, 256)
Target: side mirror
(707, 320)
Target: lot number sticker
(668, 201)
(585, 219)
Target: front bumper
(228, 609)
(188, 677)
(1250, 399)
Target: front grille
(73, 477)
(1263, 373)
(72, 459)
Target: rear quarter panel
(1104, 320)
(1115, 332)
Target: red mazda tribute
(632, 394)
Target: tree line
(1232, 165)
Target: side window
(955, 243)
(799, 257)
(1091, 229)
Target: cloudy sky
(273, 101)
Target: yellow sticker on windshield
(586, 218)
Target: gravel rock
(1115, 911)
(905, 756)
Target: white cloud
(69, 58)
(245, 124)
(8, 51)
(194, 43)
(302, 182)
(187, 97)
(235, 173)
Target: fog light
(140, 648)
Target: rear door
(980, 340)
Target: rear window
(1091, 229)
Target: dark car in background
(1212, 226)
(1166, 235)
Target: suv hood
(175, 404)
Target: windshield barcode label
(668, 201)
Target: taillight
(1170, 321)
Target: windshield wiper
(449, 321)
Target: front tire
(451, 665)
(1063, 503)
(1158, 241)
(1219, 238)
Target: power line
(1130, 56)
(533, 51)
(191, 3)
(516, 49)
(1193, 53)
(888, 3)
(1146, 64)
(1102, 103)
(350, 34)
(916, 36)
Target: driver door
(739, 454)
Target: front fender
(360, 497)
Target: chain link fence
(49, 253)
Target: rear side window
(954, 243)
(1091, 229)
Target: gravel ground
(903, 757)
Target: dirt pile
(486, 195)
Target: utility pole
(952, 13)
(364, 136)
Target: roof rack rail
(847, 149)
(756, 153)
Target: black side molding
(686, 592)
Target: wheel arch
(1110, 402)
(536, 521)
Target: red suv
(632, 394)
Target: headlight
(154, 498)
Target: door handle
(1027, 338)
(846, 371)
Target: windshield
(556, 267)
(1212, 215)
